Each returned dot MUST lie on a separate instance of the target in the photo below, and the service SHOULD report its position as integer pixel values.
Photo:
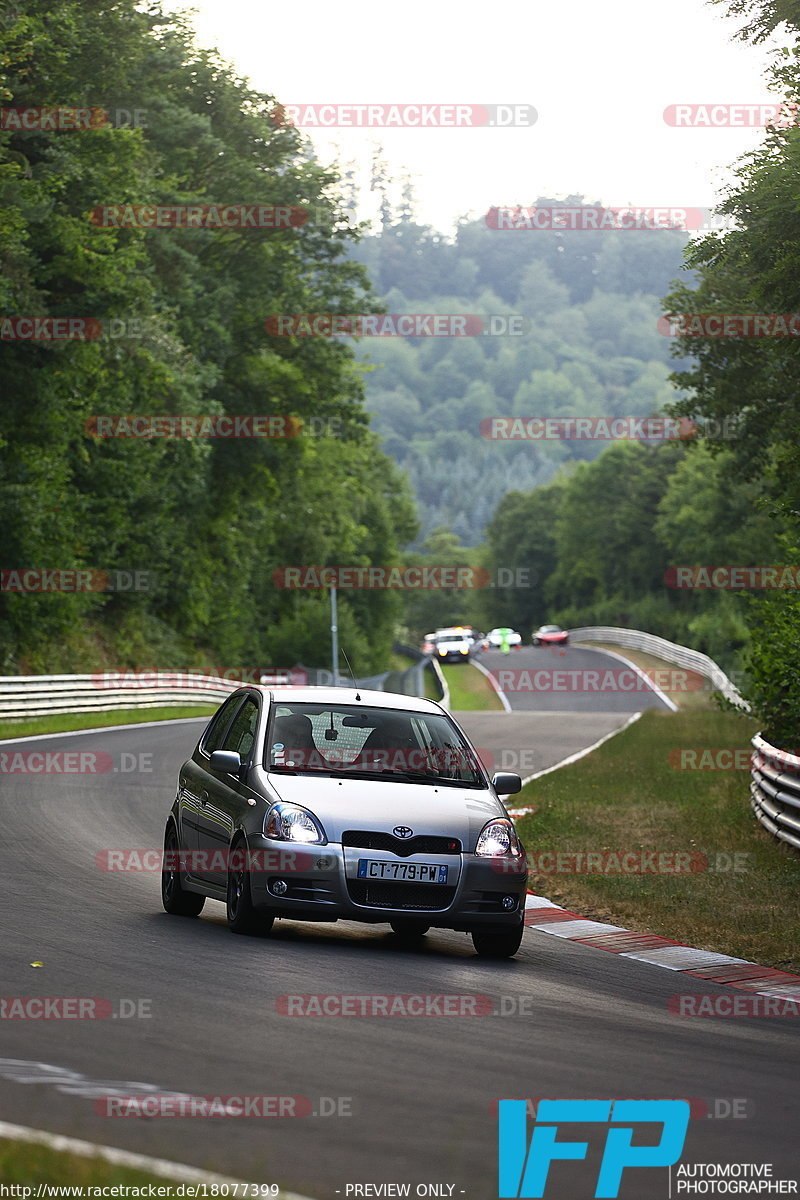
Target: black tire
(177, 902)
(536, 641)
(243, 917)
(497, 941)
(409, 932)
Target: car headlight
(498, 837)
(291, 823)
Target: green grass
(29, 1164)
(470, 691)
(626, 796)
(63, 722)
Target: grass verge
(64, 722)
(470, 691)
(28, 1163)
(628, 796)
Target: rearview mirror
(506, 783)
(227, 761)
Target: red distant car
(550, 635)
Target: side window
(212, 739)
(242, 733)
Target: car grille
(366, 839)
(381, 893)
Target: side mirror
(229, 762)
(506, 783)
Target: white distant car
(452, 647)
(495, 637)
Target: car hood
(377, 805)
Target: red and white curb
(543, 915)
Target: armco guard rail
(775, 791)
(24, 696)
(682, 656)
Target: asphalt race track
(571, 1022)
(572, 679)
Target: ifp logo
(523, 1169)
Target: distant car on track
(453, 646)
(550, 635)
(316, 804)
(495, 637)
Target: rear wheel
(497, 941)
(176, 901)
(409, 931)
(243, 917)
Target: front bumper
(322, 884)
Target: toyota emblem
(402, 831)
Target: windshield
(351, 740)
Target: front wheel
(497, 941)
(177, 902)
(243, 917)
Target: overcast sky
(598, 74)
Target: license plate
(376, 868)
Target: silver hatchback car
(314, 804)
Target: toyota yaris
(314, 804)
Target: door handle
(204, 797)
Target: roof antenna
(350, 669)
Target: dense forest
(590, 345)
(181, 313)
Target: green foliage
(752, 384)
(594, 547)
(210, 521)
(773, 667)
